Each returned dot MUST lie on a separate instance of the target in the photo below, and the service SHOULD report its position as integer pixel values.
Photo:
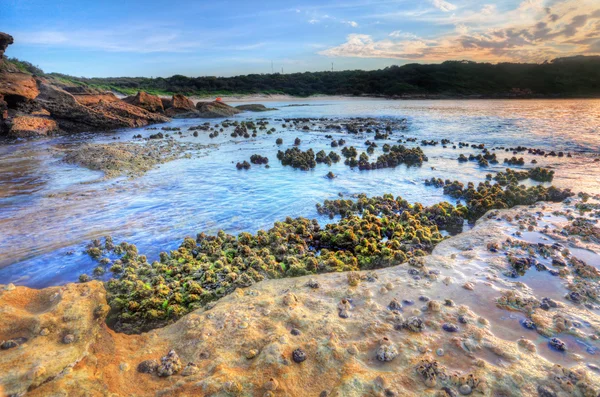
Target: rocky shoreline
(34, 106)
(426, 328)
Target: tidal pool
(50, 210)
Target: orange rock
(18, 86)
(93, 99)
(181, 106)
(28, 126)
(149, 102)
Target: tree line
(577, 76)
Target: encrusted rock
(298, 355)
(386, 351)
(169, 364)
(147, 366)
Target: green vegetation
(573, 76)
(372, 233)
(25, 67)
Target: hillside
(562, 77)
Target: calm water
(49, 210)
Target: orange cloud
(570, 27)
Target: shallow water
(49, 210)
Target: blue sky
(224, 38)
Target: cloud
(534, 35)
(461, 28)
(488, 9)
(140, 39)
(351, 23)
(313, 21)
(444, 5)
(400, 34)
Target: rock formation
(406, 330)
(36, 106)
(180, 106)
(151, 103)
(216, 109)
(254, 107)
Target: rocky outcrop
(180, 106)
(5, 41)
(427, 327)
(68, 107)
(216, 109)
(72, 116)
(17, 87)
(47, 332)
(151, 103)
(254, 107)
(93, 99)
(25, 126)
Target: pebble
(395, 305)
(298, 355)
(439, 352)
(449, 327)
(250, 354)
(9, 287)
(124, 367)
(450, 392)
(312, 283)
(469, 286)
(68, 338)
(386, 351)
(295, 331)
(147, 366)
(528, 324)
(45, 332)
(272, 384)
(9, 344)
(465, 390)
(557, 344)
(190, 369)
(243, 325)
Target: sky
(230, 37)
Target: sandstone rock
(24, 310)
(93, 99)
(5, 41)
(255, 107)
(181, 106)
(216, 109)
(166, 103)
(24, 126)
(17, 87)
(151, 103)
(134, 116)
(75, 117)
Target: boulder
(5, 41)
(25, 126)
(134, 116)
(216, 109)
(149, 102)
(255, 107)
(93, 99)
(17, 87)
(181, 106)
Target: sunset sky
(224, 38)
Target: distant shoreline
(290, 98)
